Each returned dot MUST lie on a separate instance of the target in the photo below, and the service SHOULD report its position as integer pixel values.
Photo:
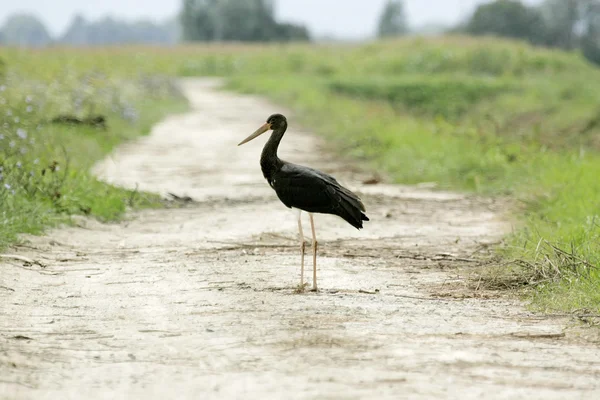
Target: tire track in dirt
(198, 302)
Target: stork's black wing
(316, 192)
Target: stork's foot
(314, 289)
(301, 288)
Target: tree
(393, 20)
(572, 24)
(25, 30)
(287, 32)
(590, 40)
(198, 19)
(507, 18)
(245, 20)
(562, 17)
(590, 46)
(235, 20)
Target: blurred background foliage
(564, 24)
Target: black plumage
(305, 188)
(316, 192)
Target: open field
(488, 116)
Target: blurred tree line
(112, 31)
(236, 20)
(28, 30)
(200, 20)
(24, 29)
(566, 24)
(392, 21)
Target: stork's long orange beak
(256, 134)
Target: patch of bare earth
(199, 302)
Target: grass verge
(56, 121)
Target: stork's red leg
(314, 248)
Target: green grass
(44, 167)
(448, 96)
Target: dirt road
(198, 302)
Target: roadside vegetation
(58, 116)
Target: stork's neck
(269, 162)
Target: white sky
(349, 19)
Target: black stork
(305, 189)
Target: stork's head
(274, 122)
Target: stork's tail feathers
(352, 209)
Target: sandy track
(198, 302)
